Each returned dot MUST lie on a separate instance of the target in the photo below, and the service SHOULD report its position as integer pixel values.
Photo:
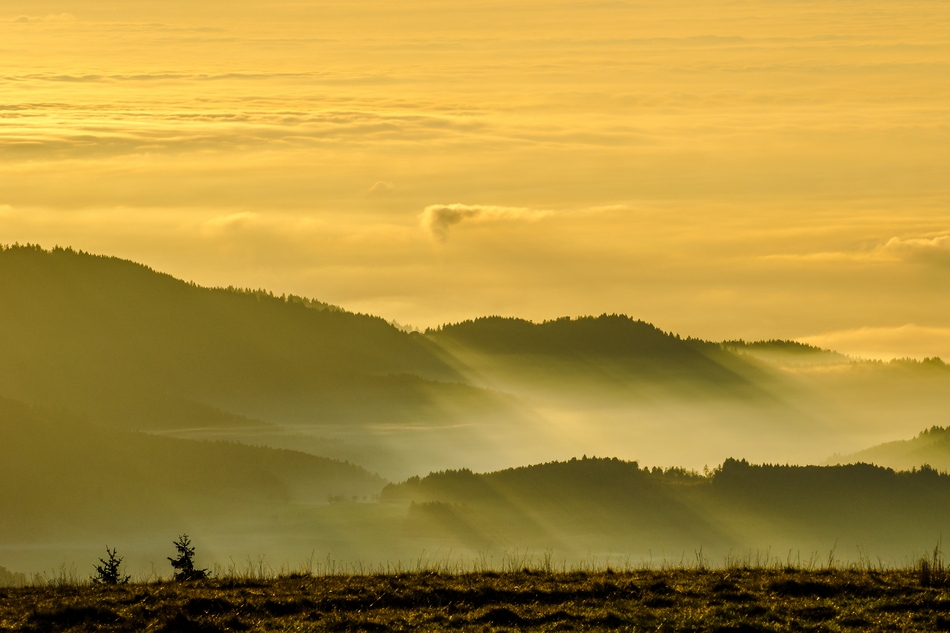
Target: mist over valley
(135, 407)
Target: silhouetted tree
(107, 573)
(184, 563)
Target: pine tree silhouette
(107, 573)
(184, 563)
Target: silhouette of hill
(128, 346)
(607, 352)
(62, 477)
(607, 335)
(792, 347)
(931, 448)
(783, 352)
(565, 505)
(619, 506)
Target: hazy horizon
(679, 234)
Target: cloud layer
(935, 250)
(437, 219)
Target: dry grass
(658, 600)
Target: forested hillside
(612, 354)
(132, 347)
(930, 447)
(612, 505)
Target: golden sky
(722, 169)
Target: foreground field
(672, 600)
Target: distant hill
(783, 352)
(558, 504)
(605, 352)
(612, 504)
(931, 447)
(607, 335)
(61, 477)
(123, 344)
(116, 343)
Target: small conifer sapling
(107, 572)
(184, 563)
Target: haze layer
(731, 170)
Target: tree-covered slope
(124, 344)
(786, 353)
(931, 447)
(604, 352)
(606, 335)
(609, 504)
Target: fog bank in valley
(136, 407)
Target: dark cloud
(439, 218)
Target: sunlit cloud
(114, 129)
(242, 219)
(934, 250)
(381, 187)
(931, 250)
(32, 19)
(439, 218)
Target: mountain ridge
(929, 448)
(107, 331)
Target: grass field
(644, 600)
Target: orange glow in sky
(724, 170)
